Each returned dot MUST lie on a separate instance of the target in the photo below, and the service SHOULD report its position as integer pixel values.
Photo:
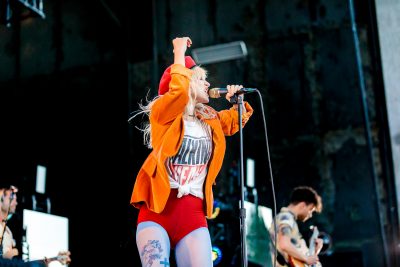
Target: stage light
(30, 8)
(219, 52)
(34, 6)
(216, 255)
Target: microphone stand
(238, 99)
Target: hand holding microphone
(218, 92)
(232, 90)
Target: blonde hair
(192, 107)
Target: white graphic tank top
(187, 170)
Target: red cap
(166, 77)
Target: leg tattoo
(150, 252)
(165, 262)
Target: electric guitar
(62, 257)
(293, 262)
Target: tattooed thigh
(152, 254)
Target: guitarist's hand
(64, 257)
(310, 260)
(11, 253)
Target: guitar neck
(311, 250)
(313, 238)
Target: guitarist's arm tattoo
(285, 230)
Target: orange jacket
(152, 185)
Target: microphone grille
(214, 93)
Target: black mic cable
(270, 174)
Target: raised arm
(174, 101)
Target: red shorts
(179, 217)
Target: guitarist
(8, 204)
(292, 248)
(8, 250)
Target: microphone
(217, 92)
